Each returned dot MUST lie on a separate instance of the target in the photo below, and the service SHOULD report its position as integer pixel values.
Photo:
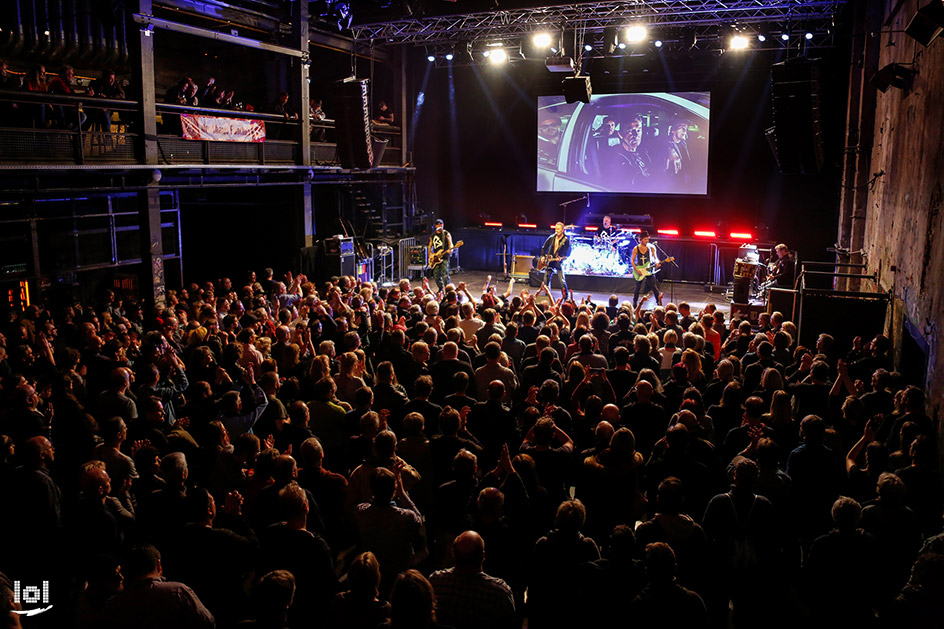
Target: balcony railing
(38, 128)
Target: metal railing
(39, 128)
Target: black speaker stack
(352, 121)
(797, 135)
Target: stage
(599, 288)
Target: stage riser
(694, 257)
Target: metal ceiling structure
(814, 16)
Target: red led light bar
(489, 224)
(631, 230)
(590, 228)
(667, 232)
(706, 234)
(528, 225)
(742, 236)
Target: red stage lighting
(706, 234)
(527, 225)
(590, 228)
(667, 232)
(490, 224)
(742, 236)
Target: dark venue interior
(494, 314)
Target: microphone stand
(566, 203)
(666, 255)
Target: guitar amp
(416, 257)
(521, 267)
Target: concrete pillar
(153, 288)
(141, 41)
(300, 79)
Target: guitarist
(644, 255)
(557, 246)
(440, 242)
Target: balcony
(26, 142)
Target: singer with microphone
(645, 262)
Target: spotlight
(657, 43)
(621, 46)
(808, 36)
(739, 42)
(635, 33)
(542, 40)
(486, 53)
(588, 47)
(785, 36)
(498, 56)
(761, 37)
(449, 56)
(431, 58)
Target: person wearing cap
(644, 255)
(440, 241)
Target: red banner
(222, 129)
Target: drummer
(607, 235)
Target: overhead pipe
(123, 52)
(99, 43)
(17, 36)
(111, 52)
(70, 18)
(31, 46)
(42, 27)
(57, 33)
(83, 11)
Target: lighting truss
(816, 16)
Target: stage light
(528, 225)
(635, 33)
(431, 58)
(588, 47)
(808, 36)
(739, 42)
(705, 234)
(621, 46)
(491, 224)
(742, 236)
(542, 40)
(590, 228)
(486, 53)
(657, 43)
(449, 56)
(785, 36)
(498, 56)
(667, 232)
(761, 37)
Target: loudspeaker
(521, 266)
(927, 23)
(742, 290)
(535, 278)
(782, 300)
(577, 88)
(796, 137)
(843, 317)
(352, 124)
(340, 265)
(378, 145)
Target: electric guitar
(543, 261)
(642, 272)
(436, 258)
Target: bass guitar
(543, 261)
(642, 272)
(439, 256)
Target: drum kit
(602, 254)
(750, 275)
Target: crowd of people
(46, 115)
(275, 453)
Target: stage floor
(601, 289)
